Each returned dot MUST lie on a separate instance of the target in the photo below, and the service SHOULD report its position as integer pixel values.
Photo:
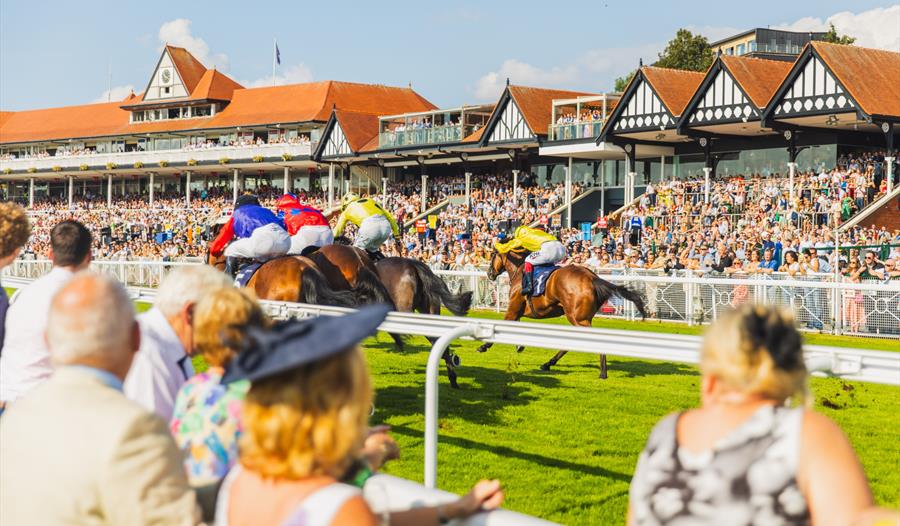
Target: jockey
(307, 226)
(374, 222)
(257, 232)
(544, 247)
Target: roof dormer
(176, 75)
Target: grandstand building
(193, 127)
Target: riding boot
(527, 282)
(230, 264)
(375, 255)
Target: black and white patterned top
(748, 477)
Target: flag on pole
(277, 54)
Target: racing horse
(572, 291)
(414, 288)
(294, 279)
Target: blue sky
(55, 53)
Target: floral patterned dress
(748, 477)
(206, 425)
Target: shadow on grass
(638, 368)
(534, 458)
(484, 392)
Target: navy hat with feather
(293, 343)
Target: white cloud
(178, 33)
(877, 28)
(490, 85)
(115, 94)
(295, 74)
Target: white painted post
(287, 180)
(792, 167)
(431, 399)
(234, 184)
(330, 185)
(109, 190)
(515, 185)
(31, 192)
(187, 188)
(71, 190)
(603, 181)
(569, 194)
(123, 186)
(424, 193)
(890, 173)
(706, 171)
(662, 168)
(152, 176)
(468, 189)
(384, 191)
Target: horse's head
(497, 265)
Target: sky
(57, 53)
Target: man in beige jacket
(75, 450)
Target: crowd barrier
(870, 309)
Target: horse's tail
(437, 292)
(315, 289)
(369, 288)
(604, 290)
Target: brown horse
(349, 268)
(572, 291)
(294, 279)
(414, 288)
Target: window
(137, 116)
(730, 51)
(174, 113)
(752, 46)
(201, 111)
(740, 49)
(166, 90)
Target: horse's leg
(546, 366)
(513, 313)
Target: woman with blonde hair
(206, 419)
(753, 453)
(14, 232)
(305, 422)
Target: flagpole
(274, 58)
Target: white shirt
(160, 367)
(25, 362)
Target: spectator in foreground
(305, 420)
(206, 419)
(75, 450)
(25, 362)
(163, 364)
(14, 232)
(746, 456)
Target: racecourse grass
(565, 443)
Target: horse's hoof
(545, 366)
(603, 376)
(453, 384)
(454, 360)
(520, 348)
(483, 348)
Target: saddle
(246, 269)
(541, 276)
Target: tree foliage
(832, 36)
(687, 51)
(622, 82)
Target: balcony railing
(413, 137)
(151, 159)
(575, 130)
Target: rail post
(431, 399)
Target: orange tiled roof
(759, 78)
(536, 104)
(216, 86)
(359, 128)
(475, 136)
(189, 68)
(871, 76)
(249, 106)
(675, 87)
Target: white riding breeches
(551, 253)
(266, 242)
(372, 233)
(311, 236)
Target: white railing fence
(869, 309)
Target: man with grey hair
(163, 363)
(75, 450)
